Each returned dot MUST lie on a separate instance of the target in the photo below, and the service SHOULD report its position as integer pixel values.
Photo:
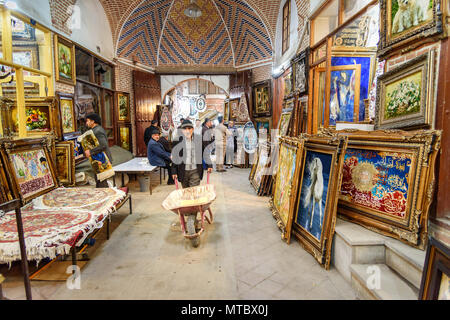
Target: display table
(141, 168)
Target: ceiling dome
(228, 34)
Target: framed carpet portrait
(234, 109)
(288, 89)
(262, 168)
(65, 163)
(300, 67)
(6, 193)
(320, 175)
(123, 107)
(263, 128)
(64, 60)
(262, 98)
(31, 170)
(406, 21)
(435, 283)
(125, 137)
(67, 113)
(285, 189)
(405, 95)
(388, 182)
(226, 111)
(283, 124)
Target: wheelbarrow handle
(176, 183)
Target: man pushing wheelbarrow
(187, 168)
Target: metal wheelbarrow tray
(189, 201)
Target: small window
(286, 25)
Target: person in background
(93, 122)
(220, 133)
(177, 132)
(156, 154)
(198, 127)
(231, 139)
(208, 136)
(187, 155)
(147, 135)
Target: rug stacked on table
(56, 221)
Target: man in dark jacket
(93, 122)
(147, 134)
(156, 154)
(187, 156)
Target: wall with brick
(262, 73)
(61, 14)
(303, 8)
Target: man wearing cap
(156, 154)
(187, 157)
(147, 134)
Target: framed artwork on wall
(320, 175)
(6, 193)
(125, 137)
(123, 107)
(263, 127)
(403, 22)
(288, 90)
(262, 169)
(67, 113)
(388, 180)
(234, 108)
(286, 183)
(283, 124)
(31, 170)
(262, 99)
(300, 67)
(64, 60)
(65, 163)
(435, 283)
(405, 95)
(226, 111)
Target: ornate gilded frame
(412, 35)
(285, 226)
(334, 145)
(263, 85)
(58, 39)
(15, 146)
(6, 193)
(288, 84)
(423, 146)
(66, 96)
(130, 134)
(425, 64)
(128, 117)
(437, 263)
(67, 147)
(301, 58)
(234, 109)
(261, 167)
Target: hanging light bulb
(193, 10)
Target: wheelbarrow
(188, 202)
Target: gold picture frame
(262, 98)
(64, 60)
(123, 107)
(65, 163)
(66, 104)
(388, 182)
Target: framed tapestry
(300, 67)
(320, 175)
(262, 99)
(77, 148)
(226, 111)
(65, 163)
(388, 182)
(285, 189)
(31, 171)
(67, 113)
(283, 124)
(436, 273)
(64, 60)
(403, 22)
(243, 112)
(405, 95)
(123, 107)
(6, 193)
(263, 128)
(263, 168)
(288, 90)
(125, 137)
(250, 138)
(234, 109)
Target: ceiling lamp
(193, 10)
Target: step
(353, 244)
(391, 286)
(406, 261)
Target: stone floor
(241, 256)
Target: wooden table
(138, 166)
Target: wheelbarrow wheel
(190, 226)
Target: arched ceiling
(230, 33)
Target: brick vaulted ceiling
(230, 33)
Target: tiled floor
(241, 256)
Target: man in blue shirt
(156, 154)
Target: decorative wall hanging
(250, 138)
(388, 181)
(234, 109)
(67, 113)
(226, 110)
(373, 90)
(262, 99)
(26, 55)
(263, 128)
(403, 22)
(436, 273)
(283, 124)
(125, 137)
(405, 95)
(243, 113)
(165, 122)
(64, 60)
(30, 167)
(288, 90)
(77, 148)
(317, 197)
(65, 163)
(6, 193)
(300, 67)
(201, 104)
(286, 184)
(100, 163)
(262, 168)
(354, 34)
(123, 107)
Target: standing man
(93, 122)
(231, 148)
(156, 154)
(220, 133)
(198, 127)
(187, 157)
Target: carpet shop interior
(224, 150)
